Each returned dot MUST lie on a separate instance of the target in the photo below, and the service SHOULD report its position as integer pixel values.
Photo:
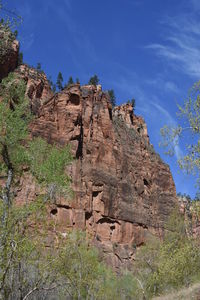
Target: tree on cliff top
(70, 80)
(59, 81)
(132, 102)
(94, 80)
(112, 97)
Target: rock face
(9, 49)
(122, 189)
(190, 210)
(38, 88)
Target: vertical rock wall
(123, 190)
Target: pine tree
(112, 97)
(59, 81)
(94, 80)
(70, 81)
(38, 67)
(53, 86)
(20, 58)
(132, 102)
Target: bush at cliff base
(169, 264)
(35, 264)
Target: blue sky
(149, 50)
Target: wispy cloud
(27, 41)
(163, 85)
(181, 47)
(170, 121)
(79, 38)
(196, 4)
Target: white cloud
(163, 84)
(27, 41)
(181, 47)
(195, 4)
(171, 122)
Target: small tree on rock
(70, 81)
(132, 102)
(59, 81)
(112, 97)
(94, 80)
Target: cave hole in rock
(79, 151)
(95, 194)
(145, 182)
(88, 215)
(54, 211)
(110, 113)
(74, 99)
(131, 118)
(112, 227)
(65, 206)
(105, 220)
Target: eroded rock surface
(38, 88)
(8, 54)
(123, 190)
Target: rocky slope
(122, 189)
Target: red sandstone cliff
(122, 189)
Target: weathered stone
(122, 187)
(38, 88)
(8, 55)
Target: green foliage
(48, 164)
(132, 102)
(20, 58)
(23, 268)
(59, 81)
(112, 97)
(77, 81)
(94, 80)
(78, 264)
(8, 33)
(173, 263)
(70, 81)
(21, 253)
(69, 266)
(14, 118)
(38, 67)
(53, 85)
(189, 113)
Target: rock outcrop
(191, 211)
(38, 88)
(122, 189)
(9, 49)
